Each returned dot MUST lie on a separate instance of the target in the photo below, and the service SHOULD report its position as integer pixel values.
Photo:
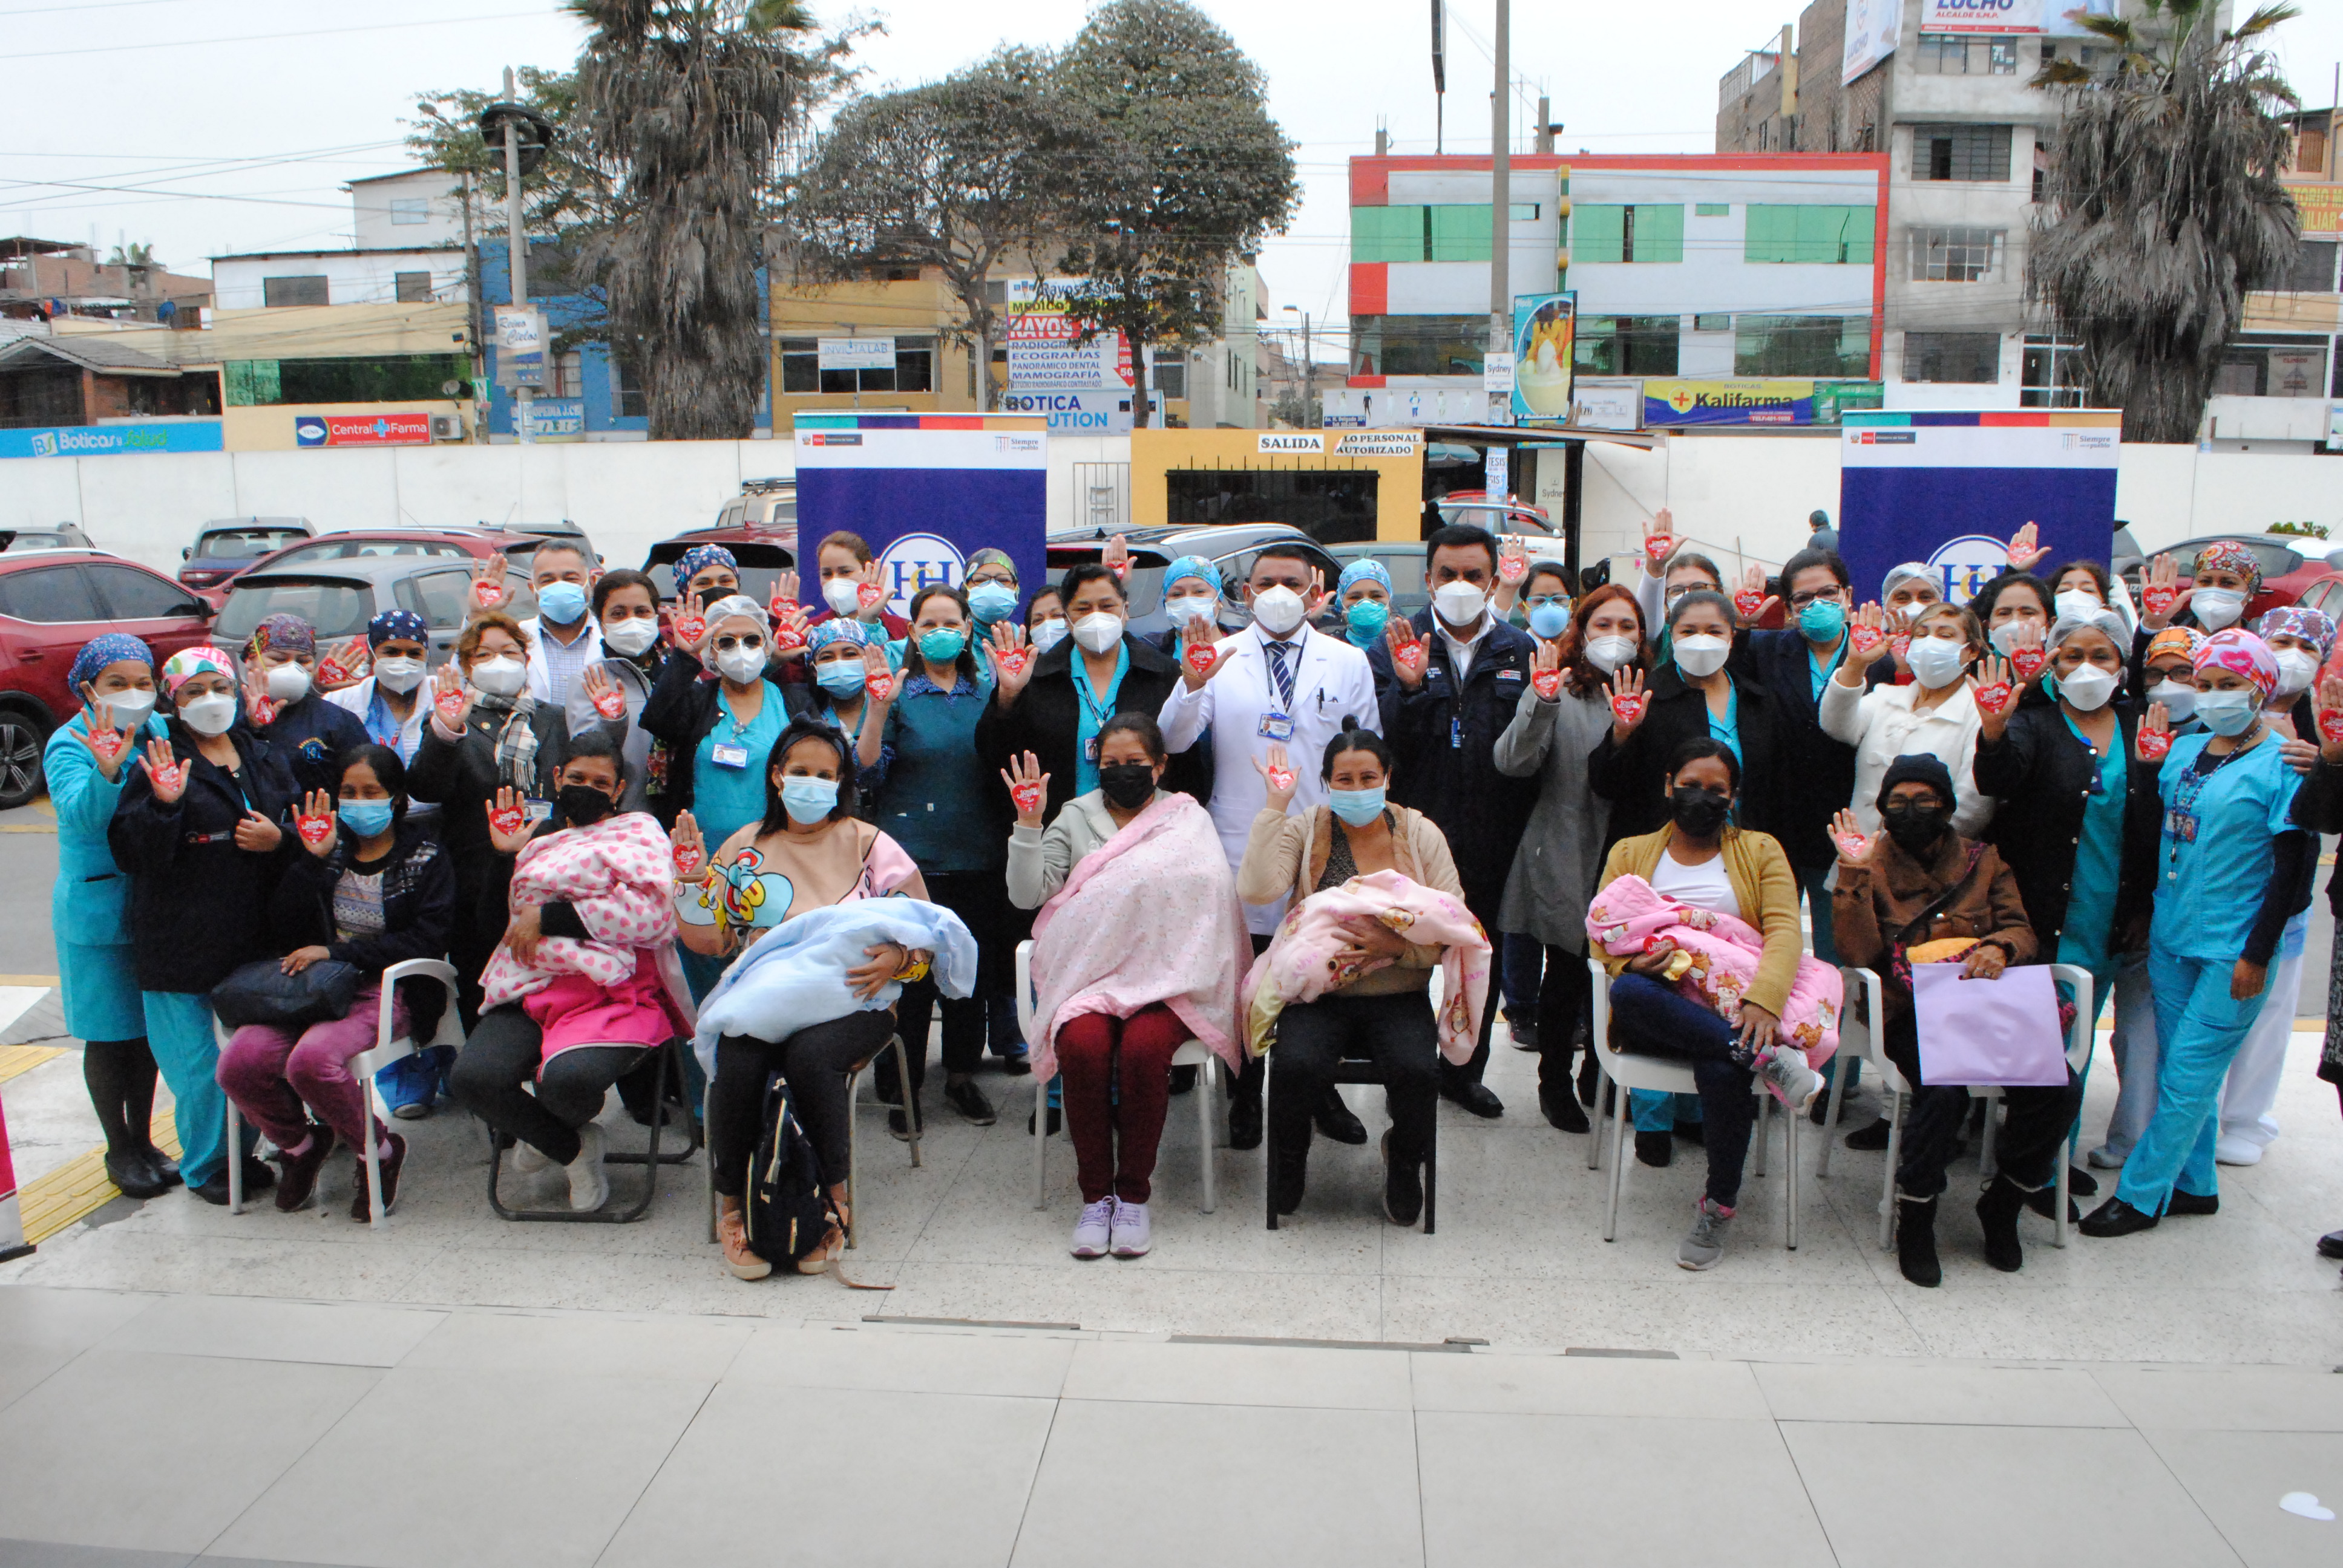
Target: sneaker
(299, 1172)
(1785, 1072)
(589, 1183)
(528, 1159)
(413, 1111)
(1016, 1066)
(967, 1099)
(2106, 1158)
(1872, 1136)
(1524, 1035)
(392, 1158)
(1128, 1233)
(1094, 1231)
(900, 1122)
(1703, 1245)
(733, 1230)
(2236, 1150)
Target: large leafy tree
(1188, 172)
(2162, 206)
(959, 174)
(684, 106)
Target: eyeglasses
(726, 644)
(1801, 600)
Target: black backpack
(787, 1211)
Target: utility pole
(472, 300)
(1501, 207)
(1309, 378)
(518, 270)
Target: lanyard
(1100, 711)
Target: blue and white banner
(112, 440)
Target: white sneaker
(1785, 1072)
(589, 1184)
(1129, 1230)
(1092, 1231)
(527, 1158)
(2105, 1158)
(2235, 1151)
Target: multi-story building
(44, 279)
(2280, 387)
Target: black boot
(1872, 1135)
(1561, 1110)
(1916, 1241)
(1337, 1121)
(1997, 1211)
(1654, 1148)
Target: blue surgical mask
(809, 800)
(2227, 712)
(1823, 619)
(1364, 621)
(1549, 618)
(562, 603)
(364, 819)
(841, 677)
(943, 645)
(1356, 807)
(991, 601)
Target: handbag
(262, 992)
(2001, 1032)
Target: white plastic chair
(1899, 1092)
(853, 1143)
(363, 1067)
(1192, 1053)
(1631, 1069)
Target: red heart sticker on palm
(1628, 706)
(264, 711)
(2154, 744)
(1281, 778)
(2159, 601)
(1015, 660)
(1201, 657)
(611, 704)
(451, 704)
(777, 606)
(1121, 570)
(880, 686)
(1994, 695)
(508, 820)
(1513, 566)
(170, 775)
(868, 594)
(1901, 647)
(333, 671)
(1410, 657)
(1027, 796)
(689, 860)
(1660, 546)
(688, 628)
(314, 830)
(106, 743)
(1748, 601)
(1547, 682)
(2330, 726)
(489, 594)
(1867, 637)
(2028, 662)
(1850, 844)
(787, 637)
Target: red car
(52, 602)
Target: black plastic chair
(1350, 1070)
(670, 1070)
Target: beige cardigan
(1285, 856)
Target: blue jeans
(1524, 968)
(2200, 1027)
(1656, 1020)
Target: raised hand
(1408, 654)
(878, 679)
(1012, 660)
(1866, 642)
(1751, 602)
(2154, 741)
(508, 820)
(791, 626)
(2025, 554)
(103, 743)
(1545, 670)
(1313, 603)
(1116, 557)
(2330, 720)
(342, 662)
(1660, 543)
(488, 591)
(1277, 773)
(1855, 848)
(1630, 703)
(165, 772)
(2161, 597)
(1200, 653)
(451, 699)
(604, 693)
(1029, 787)
(2026, 658)
(256, 701)
(316, 824)
(690, 847)
(1996, 693)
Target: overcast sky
(236, 121)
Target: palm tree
(2161, 208)
(685, 104)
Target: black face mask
(1915, 826)
(1699, 812)
(582, 805)
(709, 595)
(1128, 784)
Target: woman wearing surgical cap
(706, 573)
(200, 829)
(1362, 597)
(2232, 868)
(2222, 581)
(1191, 592)
(87, 760)
(309, 733)
(991, 584)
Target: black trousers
(816, 1060)
(1455, 1075)
(500, 1056)
(1566, 1010)
(1396, 1032)
(979, 899)
(2034, 1126)
(1247, 1087)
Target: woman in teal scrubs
(86, 761)
(2231, 868)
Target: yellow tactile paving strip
(50, 1202)
(16, 1059)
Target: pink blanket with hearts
(1312, 954)
(1627, 917)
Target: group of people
(636, 820)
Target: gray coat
(634, 741)
(1561, 853)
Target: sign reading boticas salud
(112, 440)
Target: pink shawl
(1164, 927)
(620, 876)
(1628, 917)
(1303, 963)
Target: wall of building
(352, 276)
(381, 227)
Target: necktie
(1280, 654)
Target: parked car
(226, 546)
(1231, 547)
(763, 555)
(63, 537)
(565, 530)
(1507, 516)
(52, 602)
(764, 505)
(2290, 563)
(338, 582)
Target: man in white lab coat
(1276, 682)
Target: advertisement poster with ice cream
(1544, 327)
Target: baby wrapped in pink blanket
(1306, 958)
(1719, 959)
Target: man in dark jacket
(1448, 682)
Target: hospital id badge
(1090, 750)
(2180, 826)
(535, 810)
(725, 756)
(1276, 727)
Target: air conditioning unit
(446, 427)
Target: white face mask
(1279, 609)
(128, 708)
(631, 635)
(287, 682)
(1187, 608)
(1937, 661)
(2217, 607)
(2087, 688)
(2227, 712)
(1608, 653)
(2296, 671)
(1701, 656)
(843, 594)
(2076, 602)
(209, 714)
(2011, 635)
(741, 666)
(1050, 634)
(2179, 698)
(501, 676)
(1099, 631)
(398, 675)
(1460, 604)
